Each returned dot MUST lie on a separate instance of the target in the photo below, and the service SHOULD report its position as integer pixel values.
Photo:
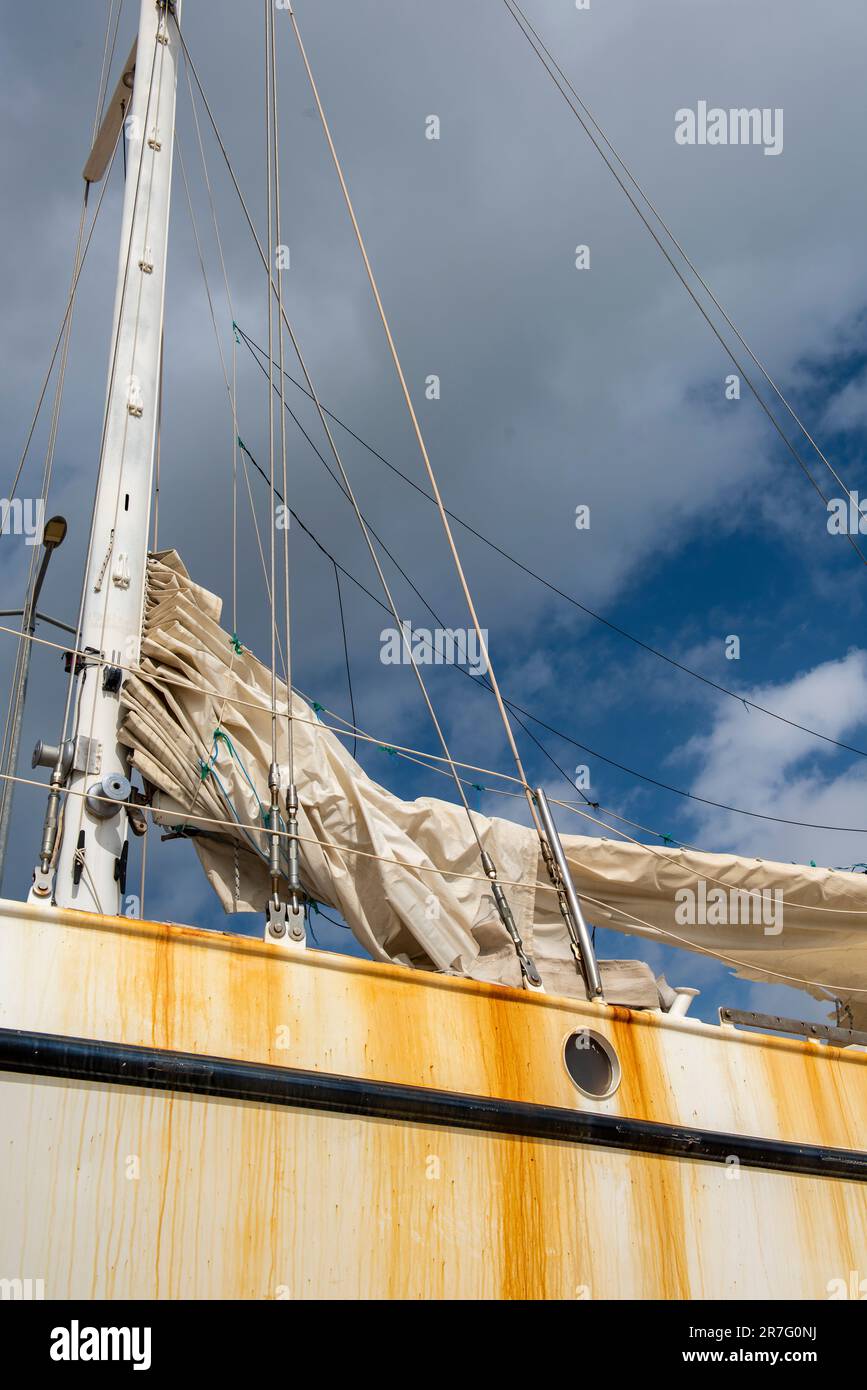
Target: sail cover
(405, 875)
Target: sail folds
(405, 875)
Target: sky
(560, 388)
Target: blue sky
(559, 388)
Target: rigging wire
(540, 52)
(234, 388)
(513, 4)
(281, 385)
(231, 389)
(483, 647)
(330, 437)
(18, 686)
(290, 741)
(17, 694)
(517, 710)
(273, 771)
(839, 989)
(254, 348)
(70, 302)
(346, 655)
(163, 680)
(105, 70)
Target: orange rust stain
(519, 1195)
(165, 1174)
(645, 1089)
(656, 1184)
(804, 1088)
(803, 1092)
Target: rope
(424, 759)
(416, 426)
(332, 445)
(518, 710)
(476, 878)
(737, 810)
(302, 839)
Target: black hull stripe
(119, 1064)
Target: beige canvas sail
(405, 875)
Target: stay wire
(681, 277)
(483, 646)
(333, 447)
(231, 308)
(287, 610)
(519, 710)
(254, 348)
(268, 268)
(346, 655)
(680, 249)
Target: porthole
(592, 1064)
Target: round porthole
(592, 1064)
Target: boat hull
(187, 1114)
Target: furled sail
(405, 875)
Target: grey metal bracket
(773, 1023)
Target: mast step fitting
(146, 267)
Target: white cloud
(760, 764)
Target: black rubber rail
(119, 1064)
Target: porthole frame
(613, 1059)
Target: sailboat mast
(91, 862)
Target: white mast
(90, 871)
